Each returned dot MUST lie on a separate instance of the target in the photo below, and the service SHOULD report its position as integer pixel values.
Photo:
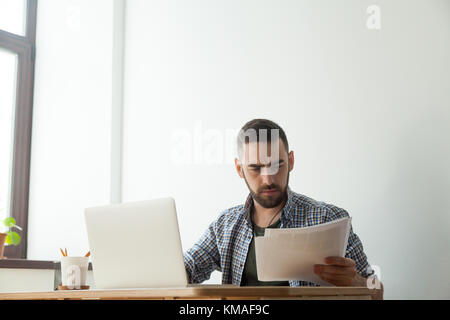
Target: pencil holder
(73, 272)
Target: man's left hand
(339, 271)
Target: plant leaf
(12, 238)
(9, 222)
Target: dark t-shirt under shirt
(249, 275)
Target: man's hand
(342, 272)
(339, 271)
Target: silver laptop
(136, 245)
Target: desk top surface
(192, 291)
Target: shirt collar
(288, 207)
(248, 206)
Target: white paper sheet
(290, 253)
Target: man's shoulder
(302, 204)
(231, 214)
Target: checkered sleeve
(203, 258)
(355, 250)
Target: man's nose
(267, 178)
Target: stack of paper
(290, 253)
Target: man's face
(267, 177)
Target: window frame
(24, 47)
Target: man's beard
(269, 201)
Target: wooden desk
(220, 292)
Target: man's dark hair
(260, 124)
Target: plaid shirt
(224, 245)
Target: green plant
(12, 237)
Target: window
(17, 44)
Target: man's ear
(238, 165)
(291, 160)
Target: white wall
(366, 113)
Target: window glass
(13, 16)
(8, 65)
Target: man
(228, 244)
